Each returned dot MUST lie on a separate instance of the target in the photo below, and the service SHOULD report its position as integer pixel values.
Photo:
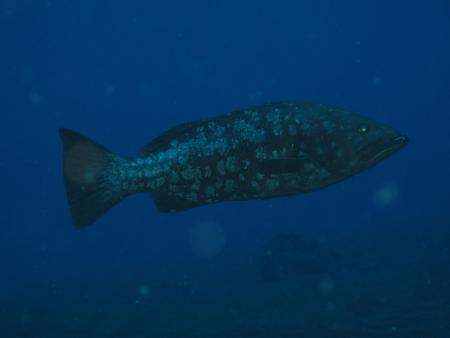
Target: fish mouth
(373, 153)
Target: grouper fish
(260, 152)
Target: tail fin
(85, 167)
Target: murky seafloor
(386, 284)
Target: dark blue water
(123, 72)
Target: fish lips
(373, 153)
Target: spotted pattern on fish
(265, 151)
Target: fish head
(377, 142)
(354, 143)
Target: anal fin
(172, 203)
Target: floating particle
(326, 286)
(35, 97)
(207, 239)
(377, 81)
(143, 290)
(386, 196)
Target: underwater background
(372, 253)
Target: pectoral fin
(281, 166)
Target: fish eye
(363, 129)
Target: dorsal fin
(162, 141)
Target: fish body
(264, 151)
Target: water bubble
(310, 36)
(110, 89)
(25, 316)
(326, 286)
(257, 95)
(143, 290)
(386, 196)
(83, 163)
(207, 239)
(377, 81)
(35, 97)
